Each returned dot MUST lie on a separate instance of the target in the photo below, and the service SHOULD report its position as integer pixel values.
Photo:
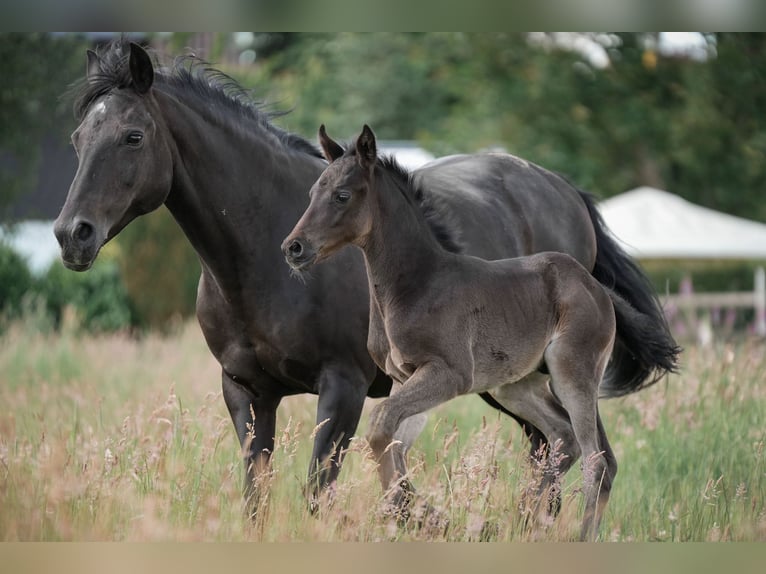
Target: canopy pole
(760, 301)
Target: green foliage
(691, 126)
(159, 268)
(36, 69)
(15, 281)
(646, 118)
(720, 137)
(706, 276)
(98, 296)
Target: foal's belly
(500, 371)
(508, 345)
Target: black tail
(644, 350)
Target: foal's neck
(401, 252)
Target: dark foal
(446, 324)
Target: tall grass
(120, 438)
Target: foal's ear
(366, 148)
(141, 68)
(93, 68)
(330, 147)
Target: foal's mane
(439, 218)
(186, 76)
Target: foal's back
(498, 317)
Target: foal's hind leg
(409, 430)
(532, 399)
(575, 382)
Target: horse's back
(505, 206)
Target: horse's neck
(401, 253)
(236, 192)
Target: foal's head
(339, 212)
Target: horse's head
(339, 212)
(125, 166)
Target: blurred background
(668, 131)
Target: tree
(36, 69)
(159, 269)
(641, 117)
(719, 140)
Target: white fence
(755, 299)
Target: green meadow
(121, 438)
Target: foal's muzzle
(298, 253)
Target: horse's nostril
(83, 231)
(295, 248)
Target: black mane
(188, 75)
(436, 214)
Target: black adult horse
(190, 138)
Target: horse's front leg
(342, 390)
(254, 416)
(431, 384)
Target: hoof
(429, 520)
(413, 513)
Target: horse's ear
(141, 68)
(366, 148)
(93, 68)
(330, 147)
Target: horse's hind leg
(537, 440)
(575, 383)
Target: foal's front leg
(433, 382)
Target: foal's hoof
(411, 513)
(481, 530)
(429, 520)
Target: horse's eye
(134, 138)
(342, 196)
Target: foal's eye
(342, 196)
(134, 138)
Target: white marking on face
(97, 110)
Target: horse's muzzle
(298, 253)
(79, 243)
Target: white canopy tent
(655, 224)
(409, 154)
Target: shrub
(159, 268)
(15, 281)
(706, 275)
(98, 296)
